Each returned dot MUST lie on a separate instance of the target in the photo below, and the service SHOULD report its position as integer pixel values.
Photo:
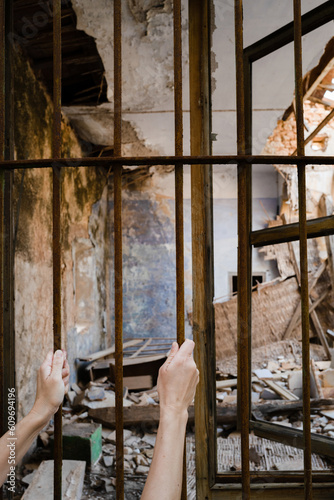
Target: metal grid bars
(209, 483)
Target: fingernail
(58, 353)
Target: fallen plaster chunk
(41, 487)
(264, 373)
(322, 365)
(290, 465)
(327, 378)
(328, 413)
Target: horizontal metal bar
(281, 37)
(167, 160)
(323, 226)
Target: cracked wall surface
(82, 267)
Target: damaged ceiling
(83, 80)
(148, 84)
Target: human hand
(178, 378)
(52, 385)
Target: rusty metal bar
(56, 183)
(118, 249)
(244, 260)
(167, 160)
(178, 171)
(303, 249)
(118, 330)
(2, 180)
(179, 231)
(8, 219)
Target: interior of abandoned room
(168, 152)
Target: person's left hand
(52, 385)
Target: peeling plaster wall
(82, 275)
(149, 246)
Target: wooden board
(149, 414)
(41, 487)
(109, 351)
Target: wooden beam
(316, 75)
(322, 445)
(267, 491)
(149, 415)
(281, 391)
(322, 226)
(202, 244)
(109, 351)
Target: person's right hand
(52, 384)
(178, 378)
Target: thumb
(57, 364)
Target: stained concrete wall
(82, 267)
(149, 274)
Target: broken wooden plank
(313, 314)
(109, 351)
(230, 382)
(296, 318)
(140, 366)
(316, 379)
(135, 354)
(41, 486)
(149, 415)
(140, 382)
(282, 391)
(293, 437)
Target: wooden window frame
(210, 484)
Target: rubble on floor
(276, 393)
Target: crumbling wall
(33, 257)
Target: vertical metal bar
(179, 240)
(8, 219)
(244, 259)
(303, 249)
(56, 183)
(118, 331)
(118, 248)
(202, 245)
(2, 157)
